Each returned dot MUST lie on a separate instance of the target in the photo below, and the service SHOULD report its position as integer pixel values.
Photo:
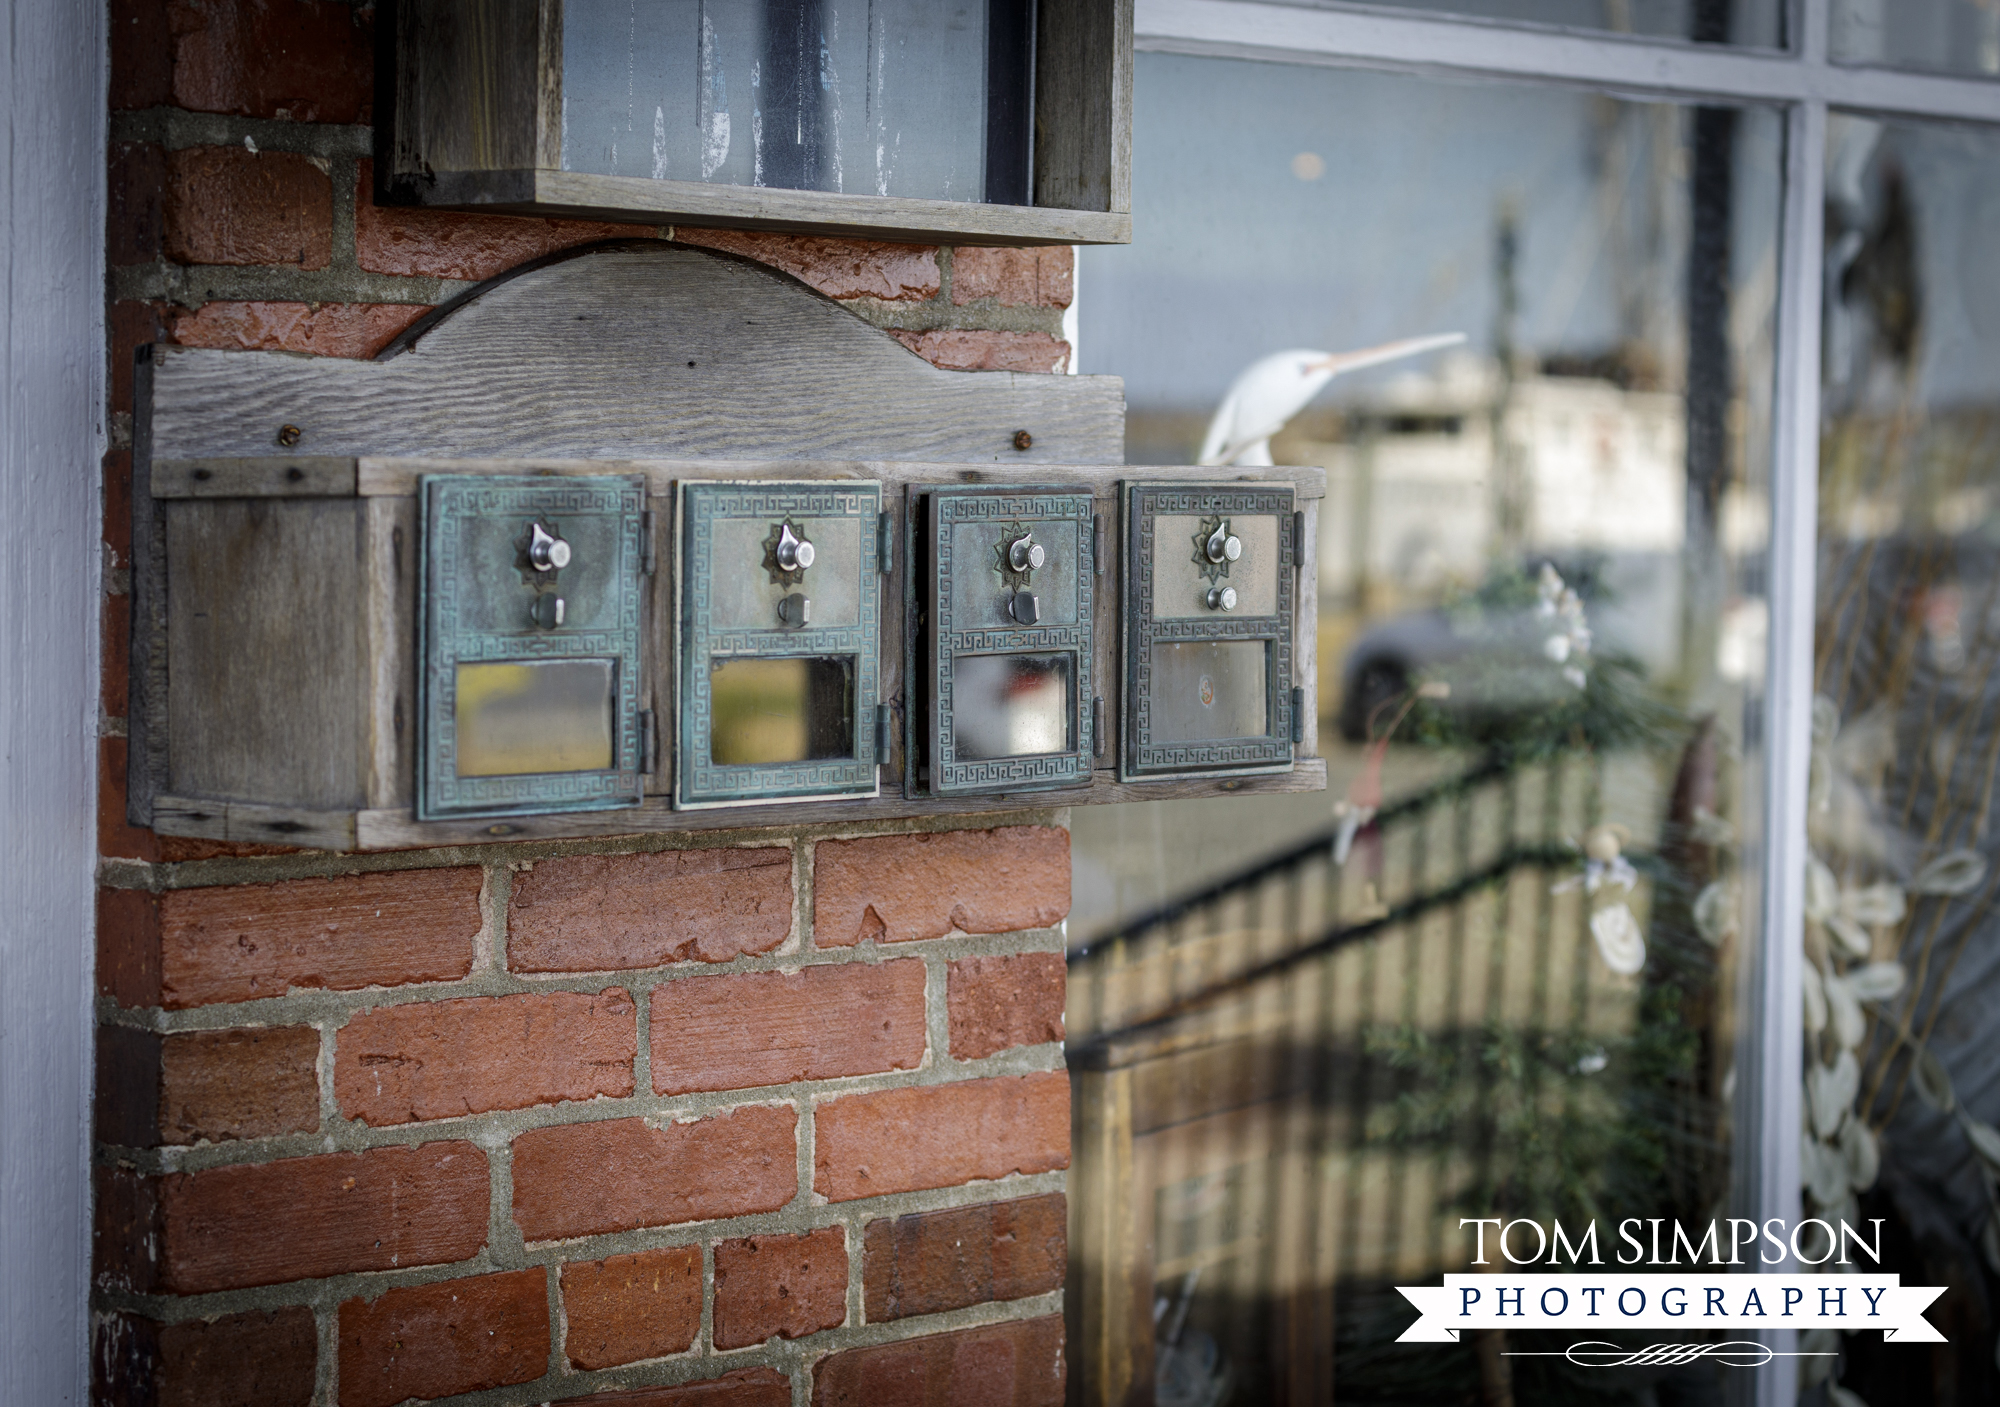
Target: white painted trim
(51, 442)
(1072, 324)
(1282, 33)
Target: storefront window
(1903, 954)
(1494, 970)
(1758, 22)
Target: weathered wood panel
(1083, 105)
(636, 349)
(466, 87)
(266, 693)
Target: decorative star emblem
(1214, 571)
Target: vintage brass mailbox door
(780, 613)
(1007, 576)
(530, 691)
(1209, 603)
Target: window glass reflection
(1012, 705)
(1751, 22)
(1902, 946)
(1498, 959)
(536, 716)
(1959, 36)
(781, 710)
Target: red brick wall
(755, 1118)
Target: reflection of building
(1585, 468)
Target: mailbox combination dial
(1222, 545)
(546, 551)
(1024, 554)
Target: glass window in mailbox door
(1492, 970)
(920, 98)
(1902, 942)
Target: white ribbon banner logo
(1683, 1303)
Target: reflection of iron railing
(1230, 1165)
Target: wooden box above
(998, 122)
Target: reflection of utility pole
(1510, 525)
(1361, 513)
(1710, 386)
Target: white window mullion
(1770, 1067)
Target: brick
(1025, 278)
(305, 60)
(901, 1140)
(134, 324)
(112, 695)
(142, 54)
(247, 1083)
(333, 1214)
(977, 349)
(767, 1028)
(128, 945)
(588, 1179)
(242, 942)
(1002, 1001)
(780, 1286)
(135, 192)
(445, 244)
(839, 268)
(435, 1340)
(229, 205)
(356, 330)
(128, 1087)
(746, 1387)
(256, 1359)
(115, 835)
(441, 1060)
(930, 1262)
(1018, 1364)
(597, 913)
(625, 1308)
(898, 888)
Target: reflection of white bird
(1273, 389)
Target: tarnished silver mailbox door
(1005, 648)
(530, 695)
(1210, 595)
(780, 612)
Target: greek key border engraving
(1141, 757)
(447, 503)
(951, 507)
(698, 779)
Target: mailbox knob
(1223, 545)
(1024, 554)
(546, 610)
(794, 553)
(1222, 598)
(546, 551)
(796, 609)
(1023, 606)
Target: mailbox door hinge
(882, 734)
(885, 542)
(1299, 539)
(649, 743)
(1298, 716)
(649, 556)
(1097, 543)
(1097, 726)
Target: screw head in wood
(1023, 440)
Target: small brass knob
(546, 610)
(1222, 598)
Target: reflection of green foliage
(1544, 1130)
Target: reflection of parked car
(1491, 652)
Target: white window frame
(1804, 84)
